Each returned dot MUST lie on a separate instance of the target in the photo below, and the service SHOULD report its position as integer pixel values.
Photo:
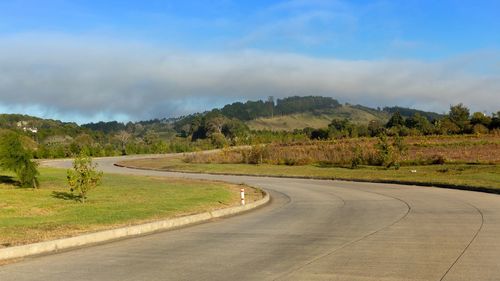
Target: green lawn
(474, 176)
(28, 215)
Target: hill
(43, 128)
(319, 119)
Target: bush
(385, 152)
(256, 155)
(218, 140)
(28, 174)
(438, 159)
(400, 150)
(357, 158)
(480, 129)
(390, 154)
(15, 157)
(84, 176)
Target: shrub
(390, 154)
(357, 158)
(15, 157)
(84, 176)
(28, 174)
(290, 162)
(385, 151)
(256, 154)
(400, 149)
(480, 129)
(218, 140)
(438, 159)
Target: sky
(87, 61)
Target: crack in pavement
(281, 277)
(470, 242)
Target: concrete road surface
(312, 230)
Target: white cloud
(298, 22)
(94, 77)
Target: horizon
(87, 61)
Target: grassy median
(460, 175)
(33, 215)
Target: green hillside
(318, 119)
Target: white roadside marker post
(242, 196)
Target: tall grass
(422, 150)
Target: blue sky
(91, 60)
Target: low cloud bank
(97, 78)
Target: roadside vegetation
(373, 151)
(470, 176)
(50, 212)
(462, 161)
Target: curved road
(312, 230)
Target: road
(312, 230)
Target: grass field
(463, 175)
(420, 150)
(28, 215)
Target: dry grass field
(471, 149)
(471, 162)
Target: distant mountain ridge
(288, 113)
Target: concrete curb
(113, 234)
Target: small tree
(84, 176)
(396, 120)
(419, 122)
(256, 155)
(390, 154)
(480, 118)
(385, 151)
(400, 149)
(28, 173)
(459, 114)
(357, 157)
(123, 138)
(15, 157)
(218, 140)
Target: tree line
(254, 109)
(459, 120)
